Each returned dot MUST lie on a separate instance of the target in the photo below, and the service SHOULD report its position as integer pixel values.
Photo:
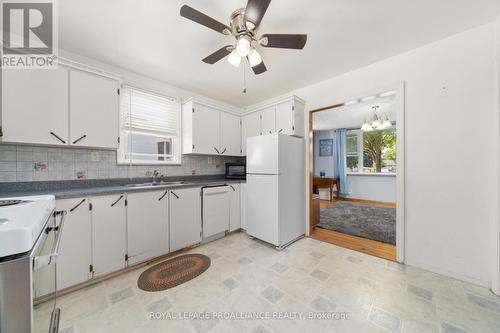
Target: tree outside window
(378, 151)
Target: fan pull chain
(244, 77)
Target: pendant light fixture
(376, 122)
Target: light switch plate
(94, 156)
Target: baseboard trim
(372, 202)
(454, 275)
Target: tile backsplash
(20, 163)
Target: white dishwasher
(215, 207)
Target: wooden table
(327, 182)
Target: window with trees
(375, 151)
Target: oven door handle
(45, 260)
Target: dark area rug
(359, 219)
(173, 272)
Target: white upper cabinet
(268, 120)
(147, 225)
(230, 134)
(93, 110)
(60, 107)
(35, 106)
(250, 126)
(285, 118)
(209, 131)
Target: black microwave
(236, 170)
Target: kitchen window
(150, 130)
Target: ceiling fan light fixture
(234, 59)
(254, 58)
(250, 25)
(243, 46)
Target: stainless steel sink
(156, 184)
(142, 185)
(173, 183)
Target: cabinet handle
(231, 186)
(80, 138)
(175, 194)
(114, 203)
(78, 205)
(57, 137)
(281, 130)
(223, 151)
(217, 150)
(163, 196)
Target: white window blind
(150, 128)
(148, 112)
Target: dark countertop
(81, 188)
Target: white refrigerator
(276, 189)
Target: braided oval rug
(173, 272)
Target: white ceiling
(150, 38)
(353, 116)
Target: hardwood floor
(365, 245)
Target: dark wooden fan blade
(255, 11)
(284, 41)
(198, 17)
(259, 69)
(217, 55)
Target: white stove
(22, 220)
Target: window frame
(176, 140)
(360, 153)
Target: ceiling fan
(243, 25)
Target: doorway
(356, 174)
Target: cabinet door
(230, 134)
(147, 225)
(243, 205)
(206, 124)
(93, 110)
(185, 218)
(108, 233)
(250, 126)
(75, 251)
(234, 207)
(215, 210)
(268, 120)
(34, 105)
(285, 118)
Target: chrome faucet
(156, 175)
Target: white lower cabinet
(75, 249)
(147, 225)
(185, 218)
(215, 210)
(243, 205)
(234, 207)
(108, 233)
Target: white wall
(324, 163)
(451, 147)
(496, 259)
(372, 187)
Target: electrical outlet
(94, 156)
(210, 160)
